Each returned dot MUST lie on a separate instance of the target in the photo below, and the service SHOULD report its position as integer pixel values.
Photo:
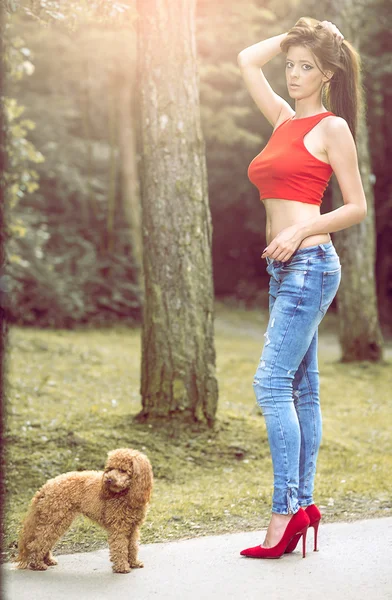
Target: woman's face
(303, 76)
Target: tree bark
(3, 294)
(359, 327)
(178, 354)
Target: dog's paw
(51, 561)
(41, 566)
(121, 569)
(137, 564)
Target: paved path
(354, 563)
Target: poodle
(116, 498)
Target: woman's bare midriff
(284, 213)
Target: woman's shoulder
(337, 137)
(335, 125)
(335, 129)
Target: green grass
(73, 396)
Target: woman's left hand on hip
(283, 245)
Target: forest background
(73, 395)
(70, 255)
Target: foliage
(73, 12)
(69, 404)
(62, 270)
(235, 132)
(20, 178)
(75, 287)
(78, 71)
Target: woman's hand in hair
(333, 29)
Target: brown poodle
(116, 498)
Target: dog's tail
(26, 536)
(22, 558)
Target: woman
(291, 173)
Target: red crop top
(286, 169)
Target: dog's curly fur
(116, 498)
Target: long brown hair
(343, 93)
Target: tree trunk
(3, 320)
(178, 355)
(3, 224)
(360, 333)
(383, 130)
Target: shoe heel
(316, 526)
(303, 533)
(298, 520)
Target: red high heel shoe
(314, 517)
(297, 526)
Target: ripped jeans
(286, 383)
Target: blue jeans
(286, 383)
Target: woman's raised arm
(250, 61)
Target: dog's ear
(142, 479)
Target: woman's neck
(303, 110)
